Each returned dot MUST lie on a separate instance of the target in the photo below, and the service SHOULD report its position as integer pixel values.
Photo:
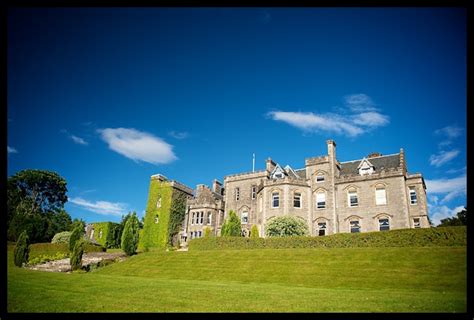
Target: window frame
(246, 216)
(412, 191)
(253, 192)
(276, 195)
(416, 224)
(317, 202)
(349, 203)
(237, 194)
(355, 226)
(387, 227)
(323, 229)
(299, 200)
(384, 198)
(320, 175)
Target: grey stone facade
(375, 193)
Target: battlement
(246, 175)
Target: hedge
(38, 249)
(443, 236)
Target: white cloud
(137, 145)
(450, 131)
(178, 135)
(438, 213)
(371, 119)
(11, 150)
(101, 207)
(451, 188)
(359, 102)
(78, 140)
(443, 157)
(456, 170)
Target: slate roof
(380, 163)
(301, 173)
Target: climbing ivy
(177, 214)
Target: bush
(130, 235)
(231, 227)
(286, 226)
(441, 236)
(76, 234)
(76, 255)
(22, 249)
(207, 232)
(46, 258)
(62, 237)
(254, 232)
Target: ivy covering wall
(110, 233)
(170, 216)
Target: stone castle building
(374, 193)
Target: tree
(77, 234)
(254, 232)
(35, 201)
(22, 249)
(459, 220)
(76, 254)
(286, 226)
(77, 223)
(231, 227)
(130, 235)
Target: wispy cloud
(11, 150)
(450, 132)
(451, 171)
(101, 207)
(359, 103)
(438, 213)
(137, 145)
(443, 157)
(78, 140)
(451, 188)
(178, 135)
(364, 118)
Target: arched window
(158, 203)
(384, 224)
(355, 226)
(321, 228)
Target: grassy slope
(430, 279)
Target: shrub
(231, 227)
(22, 249)
(286, 226)
(130, 235)
(207, 232)
(254, 232)
(441, 236)
(46, 258)
(62, 237)
(76, 255)
(76, 234)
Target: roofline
(387, 155)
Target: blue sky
(107, 97)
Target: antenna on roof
(253, 163)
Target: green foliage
(76, 254)
(176, 216)
(22, 249)
(35, 201)
(170, 216)
(62, 237)
(130, 235)
(43, 258)
(207, 232)
(107, 234)
(75, 235)
(443, 236)
(459, 220)
(286, 226)
(231, 227)
(50, 249)
(254, 232)
(77, 223)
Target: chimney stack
(216, 186)
(331, 150)
(403, 164)
(270, 165)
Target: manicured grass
(416, 279)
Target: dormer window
(365, 167)
(278, 172)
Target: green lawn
(416, 279)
